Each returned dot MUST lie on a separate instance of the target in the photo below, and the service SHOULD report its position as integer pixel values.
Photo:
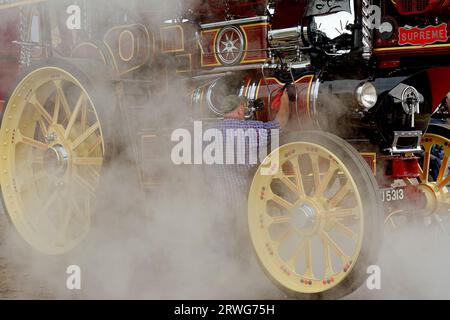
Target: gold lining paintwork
(374, 156)
(244, 59)
(132, 46)
(411, 48)
(189, 69)
(112, 53)
(182, 49)
(281, 83)
(90, 44)
(216, 30)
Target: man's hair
(230, 103)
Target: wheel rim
(306, 220)
(435, 188)
(53, 151)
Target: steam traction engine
(368, 117)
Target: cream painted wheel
(52, 152)
(311, 221)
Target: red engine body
(410, 7)
(9, 52)
(218, 10)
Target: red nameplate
(422, 37)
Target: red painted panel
(301, 113)
(288, 13)
(216, 10)
(172, 39)
(208, 41)
(409, 7)
(256, 36)
(9, 52)
(440, 84)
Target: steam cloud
(180, 245)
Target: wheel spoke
(43, 128)
(280, 219)
(49, 202)
(327, 259)
(298, 177)
(338, 197)
(93, 173)
(316, 171)
(37, 160)
(343, 213)
(63, 99)
(443, 169)
(334, 246)
(63, 228)
(426, 167)
(73, 117)
(31, 142)
(83, 121)
(84, 184)
(327, 179)
(288, 183)
(292, 262)
(80, 214)
(22, 183)
(344, 230)
(56, 110)
(282, 202)
(285, 236)
(88, 161)
(97, 143)
(308, 260)
(40, 109)
(85, 135)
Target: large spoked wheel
(53, 145)
(316, 224)
(435, 176)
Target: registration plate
(392, 194)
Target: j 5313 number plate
(392, 194)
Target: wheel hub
(304, 217)
(56, 160)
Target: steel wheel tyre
(435, 180)
(316, 224)
(53, 148)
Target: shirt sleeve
(272, 125)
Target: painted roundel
(230, 45)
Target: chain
(366, 30)
(25, 51)
(86, 24)
(228, 15)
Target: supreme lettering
(419, 36)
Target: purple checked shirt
(246, 144)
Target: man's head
(234, 107)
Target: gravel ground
(15, 280)
(414, 265)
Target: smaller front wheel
(315, 218)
